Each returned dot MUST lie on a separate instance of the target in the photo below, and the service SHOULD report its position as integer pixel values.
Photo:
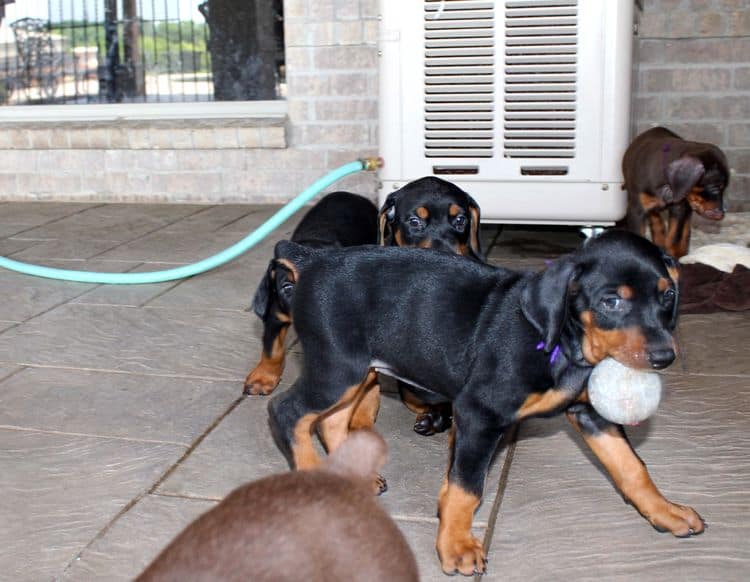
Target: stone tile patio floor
(121, 418)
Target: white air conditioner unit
(524, 104)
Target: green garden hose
(206, 264)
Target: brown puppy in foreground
(317, 525)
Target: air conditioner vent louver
(541, 40)
(459, 74)
(524, 104)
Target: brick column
(332, 68)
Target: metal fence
(110, 51)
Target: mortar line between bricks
(133, 502)
(694, 38)
(504, 473)
(689, 66)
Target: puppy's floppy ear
(385, 220)
(263, 294)
(474, 216)
(682, 175)
(673, 268)
(544, 300)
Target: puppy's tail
(361, 455)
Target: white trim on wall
(144, 111)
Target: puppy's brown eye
(414, 222)
(460, 221)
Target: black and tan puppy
(317, 526)
(340, 219)
(430, 213)
(667, 174)
(426, 213)
(501, 345)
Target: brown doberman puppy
(667, 174)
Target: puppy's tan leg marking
(303, 451)
(366, 412)
(632, 479)
(658, 228)
(545, 402)
(457, 548)
(335, 423)
(679, 238)
(267, 374)
(412, 402)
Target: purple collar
(554, 354)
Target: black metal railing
(111, 51)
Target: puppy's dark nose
(661, 358)
(714, 214)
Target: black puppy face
(626, 302)
(617, 297)
(431, 213)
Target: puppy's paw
(423, 424)
(261, 381)
(438, 419)
(380, 485)
(679, 520)
(462, 554)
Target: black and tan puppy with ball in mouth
(501, 345)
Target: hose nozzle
(371, 164)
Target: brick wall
(332, 78)
(126, 161)
(693, 76)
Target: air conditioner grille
(459, 88)
(540, 72)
